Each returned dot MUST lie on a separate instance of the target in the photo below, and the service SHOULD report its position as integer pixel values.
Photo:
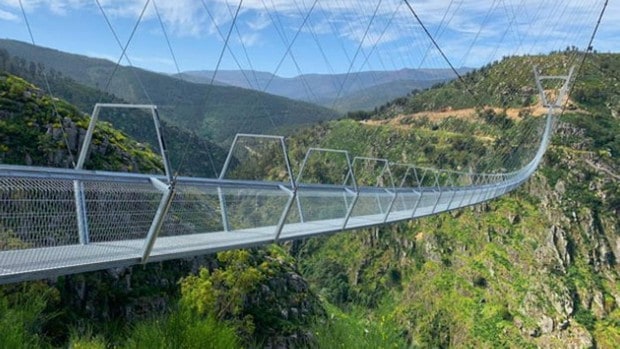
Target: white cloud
(250, 39)
(260, 22)
(8, 16)
(539, 25)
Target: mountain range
(343, 92)
(212, 112)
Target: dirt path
(467, 113)
(603, 169)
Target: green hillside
(535, 268)
(510, 83)
(206, 158)
(37, 130)
(214, 112)
(372, 97)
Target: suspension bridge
(56, 221)
(63, 221)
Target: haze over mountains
(356, 91)
(189, 102)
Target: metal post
(472, 191)
(292, 192)
(465, 191)
(356, 189)
(228, 157)
(402, 183)
(158, 220)
(393, 186)
(495, 186)
(440, 193)
(287, 208)
(390, 206)
(299, 208)
(350, 211)
(162, 143)
(419, 180)
(453, 192)
(224, 212)
(80, 210)
(88, 137)
(78, 186)
(487, 187)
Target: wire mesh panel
(326, 191)
(458, 200)
(322, 210)
(195, 221)
(446, 191)
(374, 181)
(257, 158)
(324, 204)
(404, 204)
(426, 203)
(371, 208)
(40, 234)
(406, 196)
(36, 213)
(250, 208)
(263, 171)
(118, 211)
(195, 209)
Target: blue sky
(337, 36)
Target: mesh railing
(59, 221)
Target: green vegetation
(29, 115)
(183, 328)
(213, 112)
(206, 157)
(505, 83)
(535, 268)
(520, 271)
(342, 330)
(22, 314)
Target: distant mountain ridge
(213, 112)
(355, 91)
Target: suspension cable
(586, 53)
(357, 51)
(290, 45)
(178, 70)
(430, 36)
(209, 91)
(126, 46)
(49, 90)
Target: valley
(535, 268)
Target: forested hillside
(535, 268)
(36, 129)
(207, 158)
(206, 110)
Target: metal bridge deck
(42, 262)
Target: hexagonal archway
(326, 192)
(375, 187)
(260, 163)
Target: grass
(182, 329)
(345, 331)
